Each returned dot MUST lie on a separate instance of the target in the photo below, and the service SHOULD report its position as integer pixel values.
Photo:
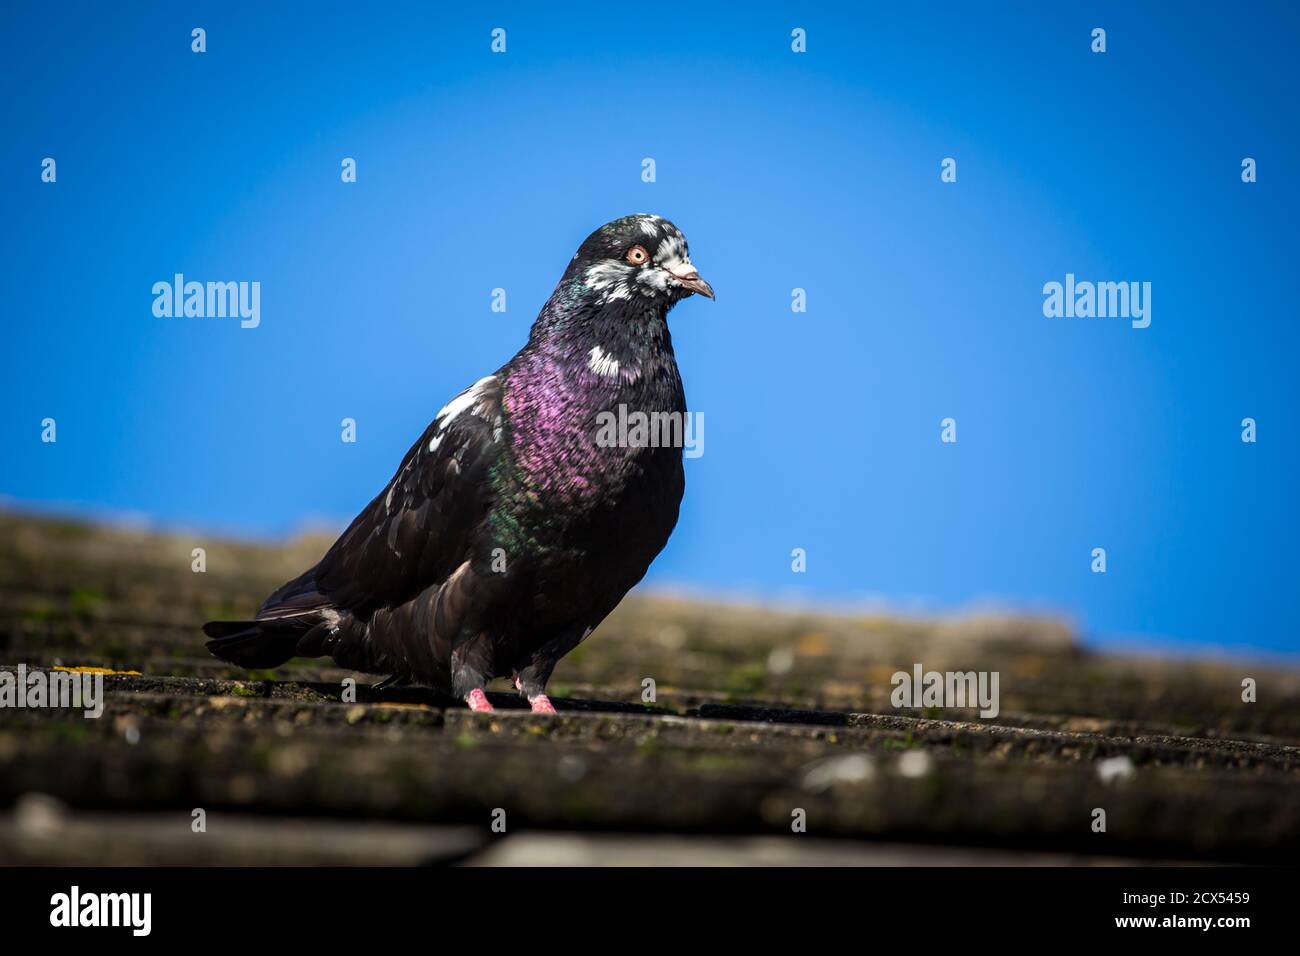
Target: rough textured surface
(758, 715)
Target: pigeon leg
(537, 700)
(470, 667)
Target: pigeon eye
(637, 255)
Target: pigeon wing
(419, 529)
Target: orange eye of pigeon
(637, 255)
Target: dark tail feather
(256, 644)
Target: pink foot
(478, 701)
(541, 704)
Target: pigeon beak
(690, 279)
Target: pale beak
(690, 279)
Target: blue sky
(818, 170)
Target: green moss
(73, 733)
(85, 602)
(746, 679)
(302, 662)
(576, 808)
(710, 763)
(41, 612)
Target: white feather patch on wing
(470, 398)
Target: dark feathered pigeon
(514, 524)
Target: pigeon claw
(478, 701)
(541, 704)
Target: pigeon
(522, 515)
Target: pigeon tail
(255, 644)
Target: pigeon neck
(617, 340)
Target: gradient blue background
(818, 170)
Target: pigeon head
(636, 260)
